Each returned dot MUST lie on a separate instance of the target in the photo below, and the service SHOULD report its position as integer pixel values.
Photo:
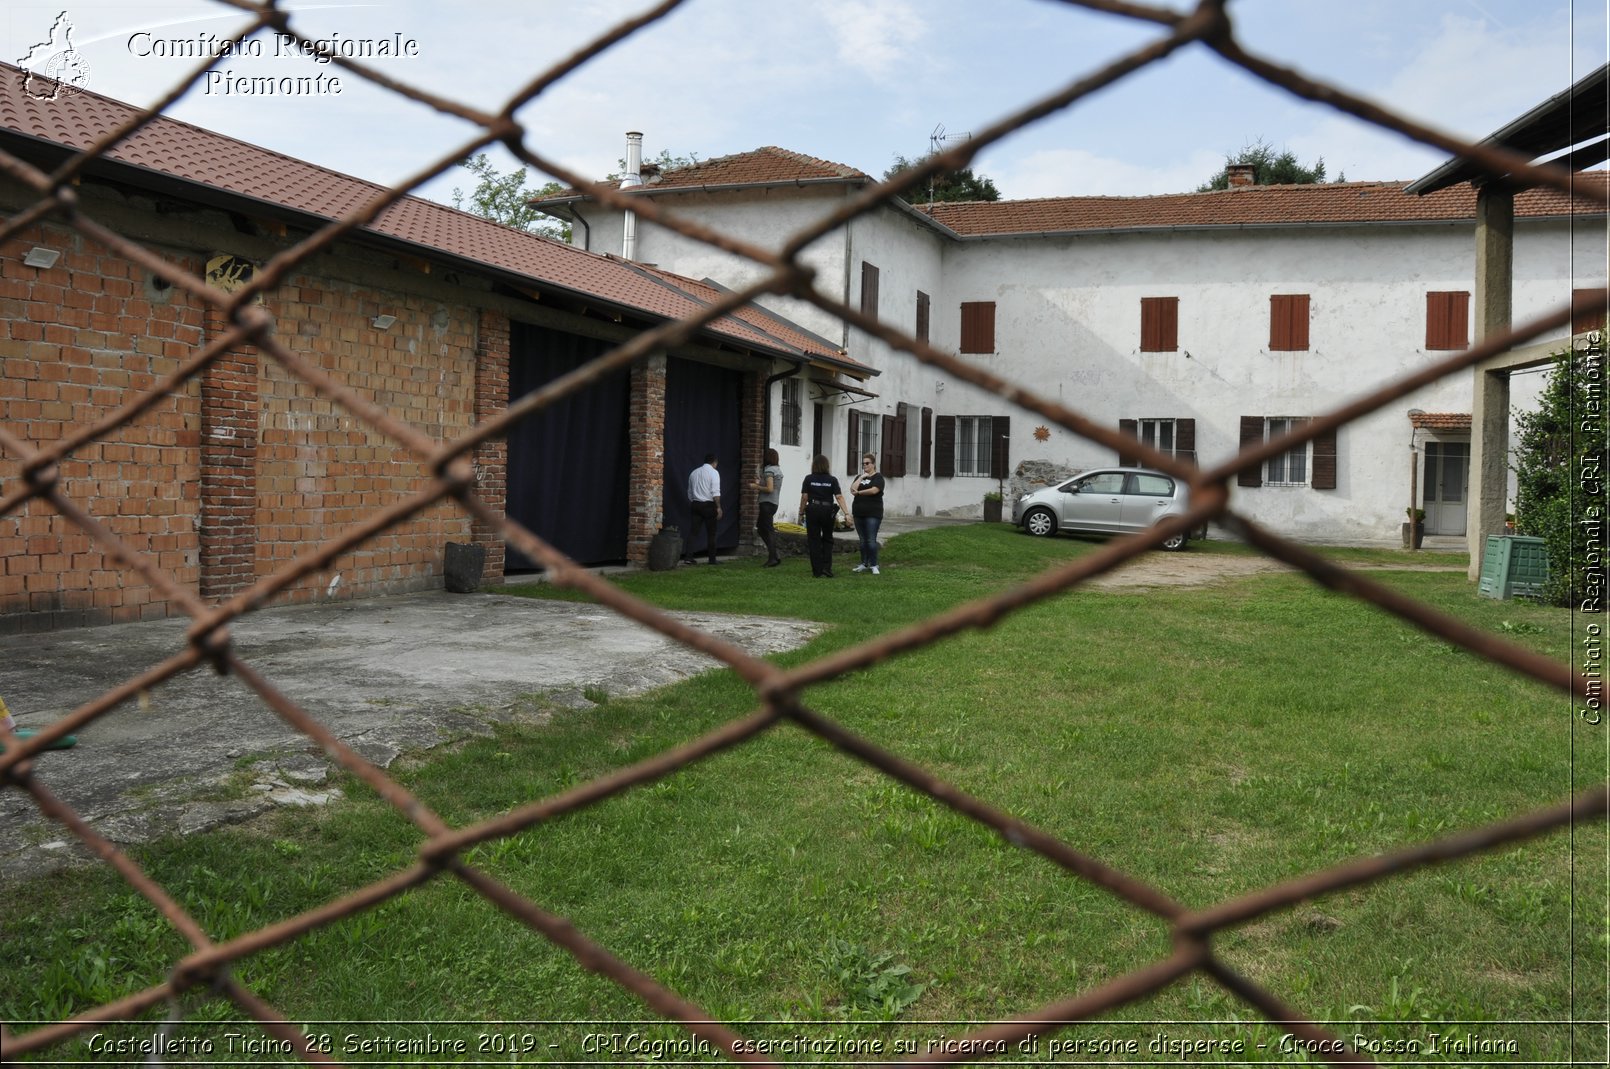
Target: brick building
(432, 314)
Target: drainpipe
(633, 179)
(587, 231)
(765, 422)
(844, 325)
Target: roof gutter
(794, 368)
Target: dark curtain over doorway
(703, 410)
(569, 463)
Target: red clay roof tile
(1334, 202)
(76, 119)
(767, 166)
(1440, 421)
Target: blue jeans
(866, 528)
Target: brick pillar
(229, 433)
(646, 441)
(491, 458)
(751, 444)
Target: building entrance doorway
(1447, 483)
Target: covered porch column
(1489, 411)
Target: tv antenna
(935, 141)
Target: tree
(1560, 478)
(945, 186)
(1271, 168)
(504, 198)
(663, 162)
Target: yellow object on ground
(789, 528)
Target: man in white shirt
(704, 498)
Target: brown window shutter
(1185, 440)
(945, 446)
(1587, 321)
(1159, 324)
(1000, 458)
(922, 316)
(1251, 435)
(925, 461)
(1447, 319)
(1130, 427)
(869, 289)
(885, 442)
(897, 451)
(1288, 322)
(1323, 476)
(853, 452)
(978, 327)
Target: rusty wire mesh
(778, 691)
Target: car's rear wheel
(1041, 523)
(1174, 542)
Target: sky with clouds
(853, 81)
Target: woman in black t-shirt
(867, 489)
(816, 504)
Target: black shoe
(715, 562)
(771, 564)
(829, 575)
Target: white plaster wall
(1068, 326)
(764, 218)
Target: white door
(1447, 483)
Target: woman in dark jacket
(816, 497)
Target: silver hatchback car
(1105, 501)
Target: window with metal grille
(869, 289)
(1448, 319)
(1288, 322)
(973, 442)
(1176, 437)
(864, 428)
(1159, 324)
(971, 445)
(978, 327)
(1586, 321)
(792, 416)
(922, 316)
(1291, 467)
(1297, 466)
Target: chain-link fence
(448, 464)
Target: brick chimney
(1242, 174)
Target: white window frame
(1151, 434)
(869, 436)
(1293, 467)
(978, 441)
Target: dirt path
(1200, 569)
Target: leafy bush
(1560, 477)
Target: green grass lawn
(1208, 740)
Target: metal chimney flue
(633, 179)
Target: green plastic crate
(1513, 566)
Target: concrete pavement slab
(386, 675)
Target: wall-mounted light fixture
(39, 256)
(383, 322)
